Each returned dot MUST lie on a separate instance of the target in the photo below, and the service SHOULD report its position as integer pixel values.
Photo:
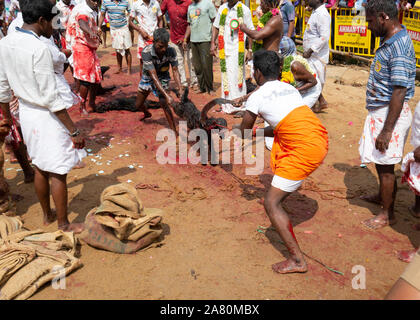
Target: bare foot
(80, 165)
(50, 217)
(119, 71)
(289, 266)
(378, 222)
(373, 198)
(320, 107)
(129, 72)
(72, 227)
(414, 212)
(147, 114)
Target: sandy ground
(211, 246)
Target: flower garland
(234, 24)
(258, 44)
(287, 75)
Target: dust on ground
(212, 249)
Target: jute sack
(121, 223)
(102, 237)
(8, 225)
(121, 209)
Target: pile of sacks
(29, 259)
(121, 224)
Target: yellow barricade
(351, 33)
(412, 22)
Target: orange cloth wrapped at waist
(300, 145)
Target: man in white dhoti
(316, 45)
(54, 143)
(389, 88)
(230, 40)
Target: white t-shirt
(274, 101)
(147, 15)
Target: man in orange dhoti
(300, 146)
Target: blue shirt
(288, 12)
(394, 65)
(116, 12)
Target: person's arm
(214, 37)
(248, 121)
(84, 25)
(45, 80)
(78, 139)
(187, 37)
(324, 29)
(291, 28)
(268, 30)
(177, 77)
(137, 27)
(160, 21)
(301, 74)
(395, 107)
(101, 20)
(154, 76)
(5, 95)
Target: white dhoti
(232, 72)
(411, 170)
(121, 39)
(49, 144)
(310, 96)
(373, 126)
(268, 140)
(320, 68)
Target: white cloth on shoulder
(373, 126)
(121, 39)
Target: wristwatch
(75, 134)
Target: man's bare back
(271, 34)
(272, 42)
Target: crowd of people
(37, 49)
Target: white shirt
(231, 43)
(147, 15)
(273, 101)
(65, 12)
(28, 72)
(317, 34)
(58, 58)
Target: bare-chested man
(272, 32)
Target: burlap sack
(103, 237)
(8, 225)
(121, 209)
(13, 256)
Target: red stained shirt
(177, 10)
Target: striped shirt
(116, 11)
(394, 65)
(151, 61)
